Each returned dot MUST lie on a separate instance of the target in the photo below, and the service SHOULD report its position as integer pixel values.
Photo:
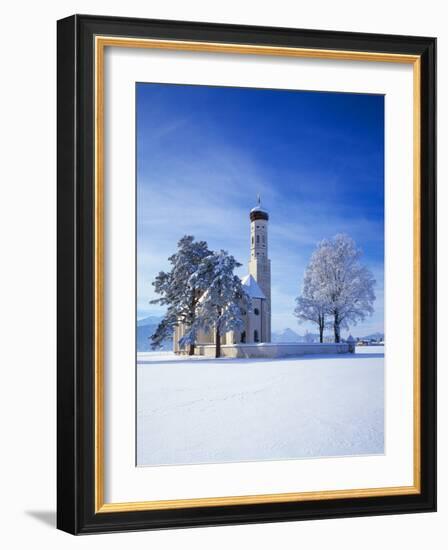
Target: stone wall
(272, 350)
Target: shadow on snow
(199, 360)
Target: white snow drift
(197, 410)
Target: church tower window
(256, 339)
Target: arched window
(258, 239)
(256, 340)
(252, 239)
(243, 337)
(256, 311)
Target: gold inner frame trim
(101, 42)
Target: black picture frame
(76, 264)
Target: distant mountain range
(289, 335)
(151, 320)
(374, 336)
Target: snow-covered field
(196, 410)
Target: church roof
(252, 288)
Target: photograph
(259, 274)
(246, 263)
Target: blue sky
(316, 159)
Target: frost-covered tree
(178, 290)
(163, 331)
(345, 285)
(223, 301)
(311, 304)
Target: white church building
(255, 339)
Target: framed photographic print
(246, 274)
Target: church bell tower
(260, 264)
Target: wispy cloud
(196, 176)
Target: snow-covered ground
(196, 410)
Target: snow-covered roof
(258, 209)
(252, 288)
(258, 213)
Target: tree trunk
(337, 328)
(192, 314)
(218, 343)
(321, 324)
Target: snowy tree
(163, 331)
(345, 286)
(311, 304)
(178, 290)
(223, 301)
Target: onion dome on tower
(257, 213)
